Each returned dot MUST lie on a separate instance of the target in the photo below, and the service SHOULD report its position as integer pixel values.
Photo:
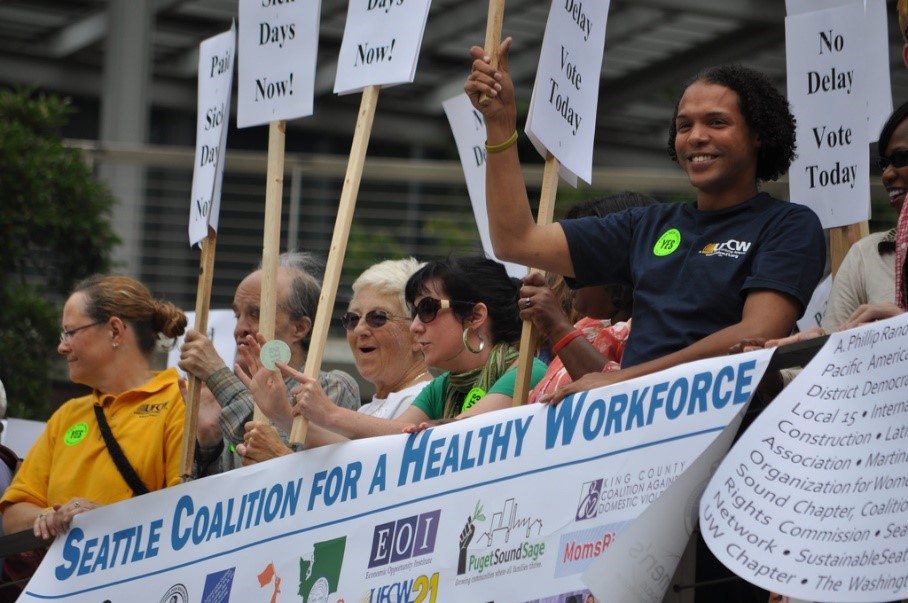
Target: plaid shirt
(236, 410)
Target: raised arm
(515, 235)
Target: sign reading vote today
(216, 59)
(381, 43)
(826, 89)
(812, 501)
(562, 116)
(453, 513)
(278, 47)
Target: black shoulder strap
(129, 474)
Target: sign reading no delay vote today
(278, 43)
(826, 88)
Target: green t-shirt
(431, 400)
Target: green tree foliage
(54, 230)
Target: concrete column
(125, 117)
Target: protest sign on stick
(381, 44)
(827, 66)
(278, 43)
(363, 35)
(216, 60)
(338, 248)
(562, 118)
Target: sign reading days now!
(562, 116)
(826, 67)
(278, 46)
(812, 501)
(216, 58)
(381, 43)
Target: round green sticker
(473, 396)
(75, 434)
(667, 243)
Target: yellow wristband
(497, 148)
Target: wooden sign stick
(528, 335)
(202, 304)
(338, 245)
(271, 238)
(493, 38)
(841, 239)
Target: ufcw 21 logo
(729, 249)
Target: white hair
(389, 277)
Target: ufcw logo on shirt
(729, 249)
(152, 410)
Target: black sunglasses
(898, 159)
(427, 308)
(374, 318)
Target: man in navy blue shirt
(736, 264)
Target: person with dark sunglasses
(465, 321)
(869, 272)
(865, 287)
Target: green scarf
(459, 385)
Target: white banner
(812, 501)
(826, 66)
(216, 56)
(381, 43)
(562, 116)
(278, 46)
(510, 506)
(469, 130)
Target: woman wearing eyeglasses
(465, 322)
(111, 325)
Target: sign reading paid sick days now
(381, 43)
(277, 47)
(451, 514)
(216, 58)
(826, 66)
(562, 116)
(812, 501)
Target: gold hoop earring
(466, 341)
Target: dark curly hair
(767, 113)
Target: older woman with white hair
(384, 349)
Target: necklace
(416, 379)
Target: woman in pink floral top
(596, 342)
